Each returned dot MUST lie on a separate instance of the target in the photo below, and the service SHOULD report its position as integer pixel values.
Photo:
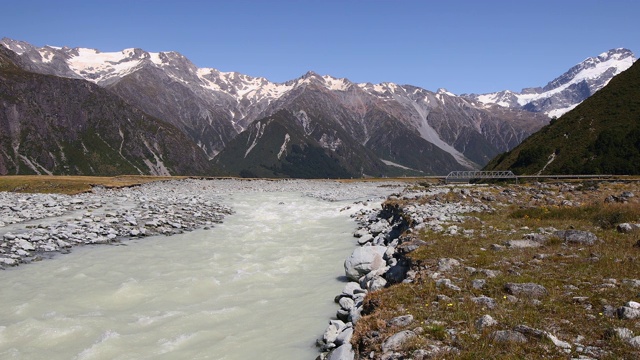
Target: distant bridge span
(467, 176)
(473, 174)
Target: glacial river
(258, 286)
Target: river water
(258, 286)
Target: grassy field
(584, 283)
(72, 184)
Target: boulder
(448, 284)
(25, 245)
(342, 352)
(401, 321)
(363, 260)
(507, 336)
(634, 342)
(489, 303)
(346, 303)
(379, 227)
(526, 289)
(447, 264)
(352, 288)
(395, 341)
(522, 244)
(577, 237)
(485, 321)
(345, 336)
(626, 228)
(397, 273)
(628, 313)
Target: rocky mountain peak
(569, 89)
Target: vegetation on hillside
(585, 284)
(600, 136)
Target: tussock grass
(582, 281)
(72, 184)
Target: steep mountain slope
(53, 125)
(430, 132)
(568, 90)
(599, 136)
(297, 145)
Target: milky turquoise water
(258, 286)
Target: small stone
(628, 313)
(635, 342)
(478, 283)
(527, 289)
(447, 264)
(507, 336)
(633, 304)
(400, 321)
(486, 301)
(8, 261)
(25, 245)
(620, 333)
(346, 303)
(342, 352)
(345, 336)
(577, 237)
(448, 284)
(626, 228)
(485, 321)
(395, 341)
(522, 244)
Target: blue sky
(465, 46)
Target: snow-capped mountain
(568, 90)
(368, 128)
(55, 125)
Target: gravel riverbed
(38, 226)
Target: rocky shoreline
(379, 260)
(38, 226)
(387, 236)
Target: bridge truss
(476, 175)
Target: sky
(465, 46)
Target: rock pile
(378, 261)
(101, 217)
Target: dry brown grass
(72, 184)
(566, 271)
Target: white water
(259, 286)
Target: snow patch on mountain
(283, 147)
(391, 163)
(594, 72)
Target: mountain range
(321, 126)
(599, 136)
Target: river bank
(542, 270)
(38, 226)
(272, 235)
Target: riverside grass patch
(585, 284)
(71, 185)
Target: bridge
(473, 175)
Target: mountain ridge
(599, 136)
(446, 131)
(56, 125)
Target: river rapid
(258, 286)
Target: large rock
(507, 336)
(342, 352)
(526, 289)
(577, 237)
(447, 264)
(364, 260)
(485, 321)
(379, 227)
(628, 313)
(395, 341)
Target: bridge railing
(474, 175)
